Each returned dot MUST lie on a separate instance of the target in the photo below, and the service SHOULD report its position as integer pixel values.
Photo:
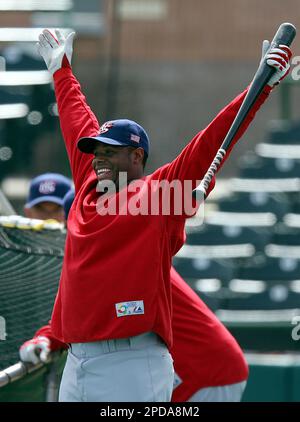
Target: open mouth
(104, 173)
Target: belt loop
(104, 344)
(112, 345)
(122, 344)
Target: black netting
(30, 266)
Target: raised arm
(195, 159)
(76, 118)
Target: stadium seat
(256, 202)
(22, 58)
(292, 220)
(222, 234)
(205, 268)
(207, 277)
(15, 95)
(283, 132)
(256, 294)
(295, 204)
(270, 268)
(262, 330)
(268, 168)
(287, 186)
(291, 151)
(210, 291)
(284, 243)
(285, 236)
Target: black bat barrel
(285, 35)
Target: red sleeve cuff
(62, 73)
(55, 344)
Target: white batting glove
(35, 350)
(56, 51)
(279, 58)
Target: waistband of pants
(97, 348)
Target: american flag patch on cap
(135, 138)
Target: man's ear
(138, 155)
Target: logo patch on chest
(130, 308)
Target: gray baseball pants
(134, 369)
(226, 393)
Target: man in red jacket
(114, 300)
(209, 364)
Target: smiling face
(110, 160)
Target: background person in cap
(43, 342)
(114, 300)
(45, 198)
(67, 203)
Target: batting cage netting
(31, 253)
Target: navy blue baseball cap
(121, 132)
(48, 187)
(68, 201)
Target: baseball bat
(285, 35)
